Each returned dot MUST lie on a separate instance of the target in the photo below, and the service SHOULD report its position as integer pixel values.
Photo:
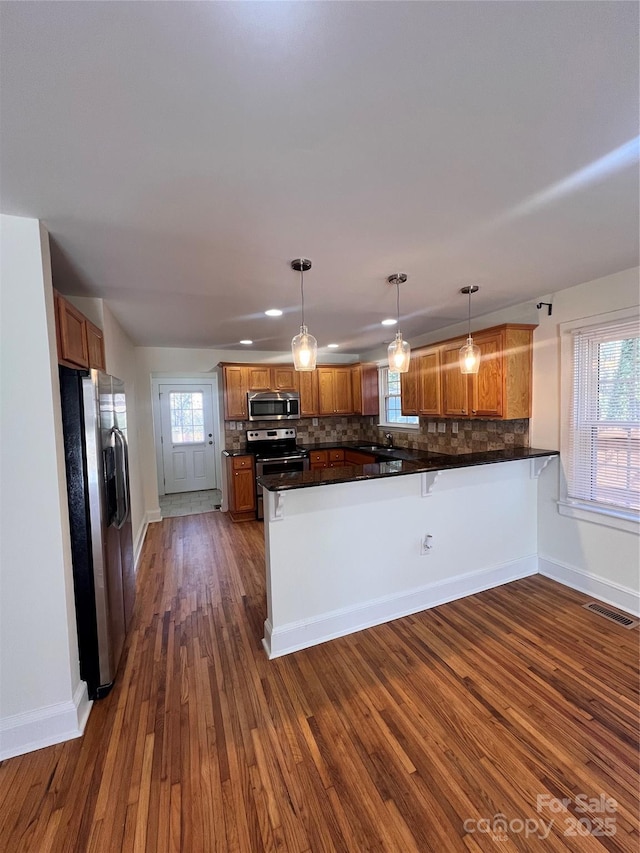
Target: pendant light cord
(302, 293)
(398, 300)
(469, 329)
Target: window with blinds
(603, 464)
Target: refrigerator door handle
(124, 479)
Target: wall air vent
(612, 615)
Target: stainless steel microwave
(273, 405)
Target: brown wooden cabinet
(285, 378)
(318, 459)
(338, 457)
(236, 382)
(241, 486)
(95, 347)
(308, 393)
(356, 457)
(335, 396)
(502, 386)
(80, 343)
(430, 383)
(258, 378)
(364, 381)
(409, 382)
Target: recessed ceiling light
(333, 346)
(389, 322)
(246, 342)
(273, 312)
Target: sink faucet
(389, 439)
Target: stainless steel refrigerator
(94, 417)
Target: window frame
(609, 515)
(383, 374)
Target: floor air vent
(625, 621)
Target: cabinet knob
(473, 412)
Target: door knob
(210, 442)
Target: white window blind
(603, 465)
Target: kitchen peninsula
(351, 547)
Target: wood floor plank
(419, 735)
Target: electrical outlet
(426, 545)
(314, 421)
(454, 427)
(442, 427)
(232, 424)
(431, 427)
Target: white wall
(578, 552)
(42, 699)
(347, 556)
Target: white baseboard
(337, 623)
(149, 517)
(623, 597)
(22, 733)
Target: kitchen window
(391, 401)
(601, 428)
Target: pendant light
(304, 346)
(399, 350)
(469, 353)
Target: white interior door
(188, 449)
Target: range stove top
(274, 444)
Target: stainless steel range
(276, 452)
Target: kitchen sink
(389, 452)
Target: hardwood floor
(412, 736)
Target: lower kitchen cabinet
(241, 486)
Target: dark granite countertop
(235, 453)
(394, 467)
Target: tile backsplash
(472, 435)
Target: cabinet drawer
(318, 456)
(336, 456)
(243, 461)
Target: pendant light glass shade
(304, 347)
(469, 357)
(305, 350)
(399, 354)
(399, 351)
(469, 353)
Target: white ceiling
(181, 154)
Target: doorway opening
(187, 430)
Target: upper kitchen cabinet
(429, 386)
(409, 387)
(421, 386)
(364, 380)
(95, 347)
(277, 378)
(308, 380)
(284, 379)
(236, 383)
(502, 386)
(258, 378)
(335, 396)
(80, 343)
